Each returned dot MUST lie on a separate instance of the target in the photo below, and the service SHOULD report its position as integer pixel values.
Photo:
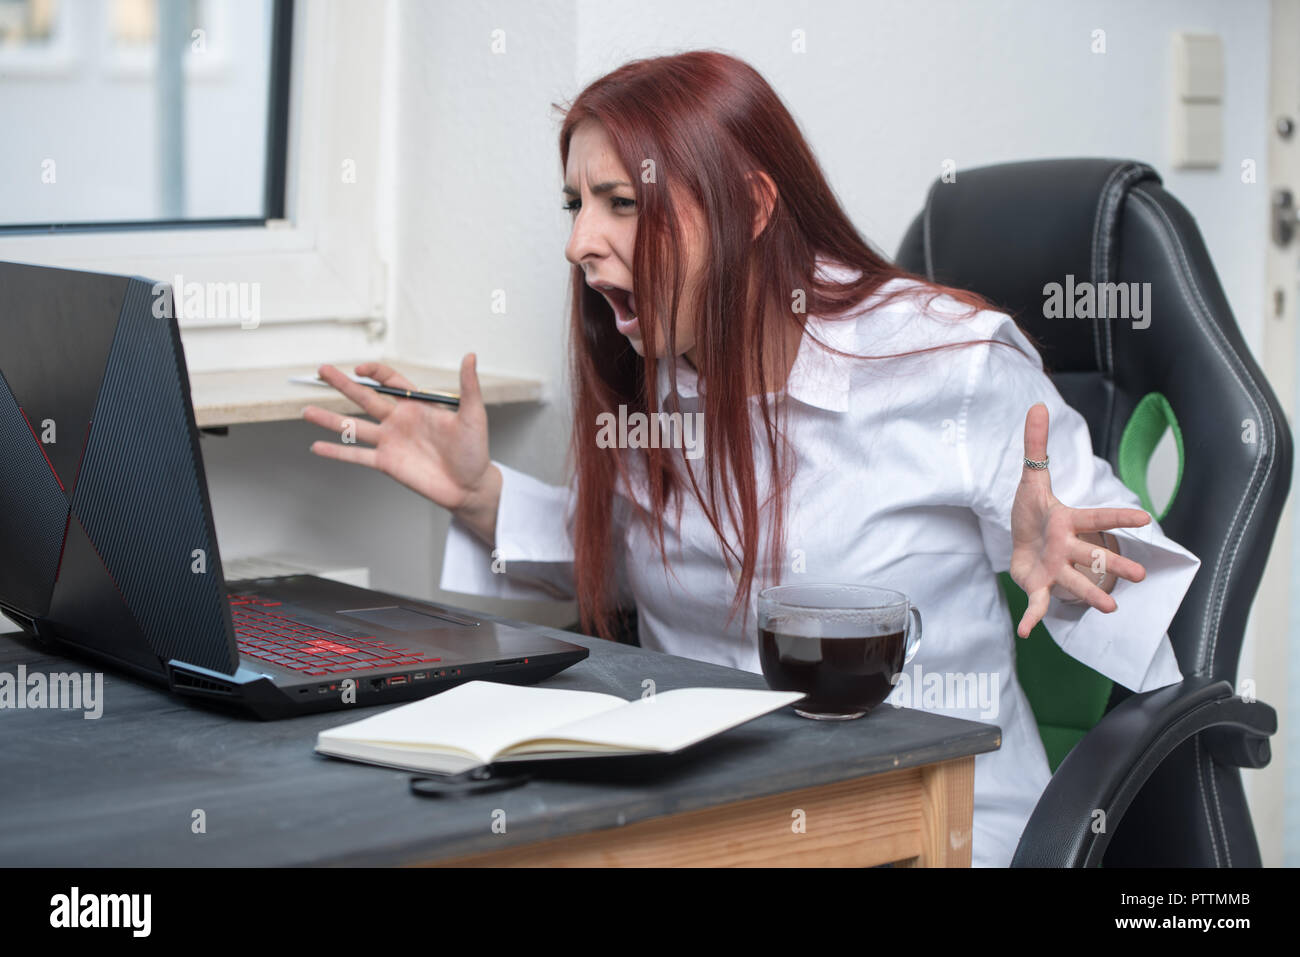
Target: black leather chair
(1164, 765)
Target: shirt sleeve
(1130, 645)
(533, 557)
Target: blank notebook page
(479, 716)
(671, 719)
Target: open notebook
(484, 722)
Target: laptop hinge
(25, 622)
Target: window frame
(321, 261)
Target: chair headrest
(1009, 230)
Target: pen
(446, 398)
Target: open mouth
(623, 302)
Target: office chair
(1163, 766)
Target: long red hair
(705, 119)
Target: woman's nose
(584, 240)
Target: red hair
(705, 120)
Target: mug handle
(913, 633)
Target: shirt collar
(818, 378)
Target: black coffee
(839, 675)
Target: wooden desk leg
(947, 813)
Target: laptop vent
(141, 494)
(186, 681)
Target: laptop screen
(106, 532)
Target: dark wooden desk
(895, 786)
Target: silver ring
(1031, 464)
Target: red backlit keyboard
(291, 644)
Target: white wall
(887, 91)
(472, 206)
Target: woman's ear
(765, 194)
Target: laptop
(107, 543)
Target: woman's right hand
(439, 453)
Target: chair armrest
(1112, 762)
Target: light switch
(1197, 135)
(1196, 114)
(1198, 67)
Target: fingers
(1079, 585)
(370, 401)
(471, 396)
(1039, 599)
(469, 389)
(356, 454)
(1036, 448)
(1085, 553)
(1102, 519)
(1036, 432)
(385, 374)
(363, 429)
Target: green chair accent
(1146, 426)
(1068, 698)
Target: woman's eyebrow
(598, 188)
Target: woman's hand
(1047, 536)
(440, 453)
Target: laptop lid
(106, 532)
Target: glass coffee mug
(841, 645)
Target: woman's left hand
(1045, 536)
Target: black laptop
(107, 543)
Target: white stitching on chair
(1218, 808)
(1112, 192)
(1130, 174)
(1208, 636)
(1209, 825)
(1096, 235)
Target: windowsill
(241, 396)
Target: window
(319, 267)
(26, 22)
(143, 112)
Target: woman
(859, 424)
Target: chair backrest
(1007, 231)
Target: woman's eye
(622, 202)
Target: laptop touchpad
(404, 619)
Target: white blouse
(906, 472)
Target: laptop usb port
(420, 676)
(398, 680)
